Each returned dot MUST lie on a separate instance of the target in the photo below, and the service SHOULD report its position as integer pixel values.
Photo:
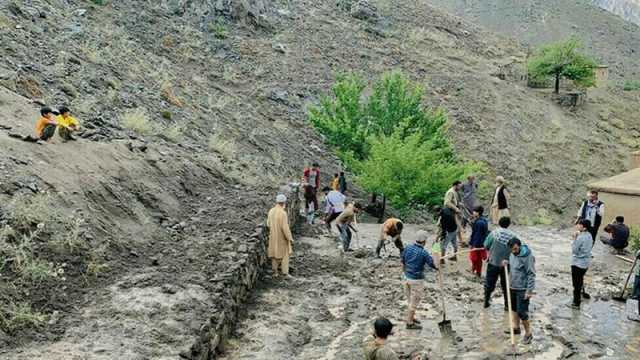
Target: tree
(563, 60)
(395, 145)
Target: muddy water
(325, 311)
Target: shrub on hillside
(394, 144)
(138, 121)
(631, 85)
(634, 237)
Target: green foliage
(563, 60)
(394, 144)
(219, 30)
(634, 237)
(341, 118)
(411, 171)
(20, 316)
(631, 85)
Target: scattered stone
(279, 48)
(364, 10)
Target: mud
(325, 311)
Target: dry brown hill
(224, 88)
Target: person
(635, 294)
(342, 182)
(334, 205)
(497, 244)
(67, 124)
(311, 179)
(580, 259)
(335, 182)
(469, 194)
(592, 209)
(522, 284)
(479, 232)
(345, 224)
(280, 238)
(500, 201)
(449, 232)
(374, 345)
(414, 260)
(616, 235)
(452, 201)
(46, 124)
(390, 228)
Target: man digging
(414, 260)
(522, 283)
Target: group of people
(502, 249)
(60, 120)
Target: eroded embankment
(327, 309)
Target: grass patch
(634, 237)
(20, 316)
(225, 147)
(219, 30)
(174, 133)
(631, 85)
(138, 121)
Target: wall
(625, 205)
(236, 284)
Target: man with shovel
(414, 260)
(522, 282)
(497, 244)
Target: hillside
(225, 89)
(612, 40)
(626, 9)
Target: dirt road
(327, 309)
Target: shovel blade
(445, 328)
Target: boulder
(364, 10)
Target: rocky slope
(626, 9)
(221, 89)
(609, 38)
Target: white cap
(422, 236)
(281, 199)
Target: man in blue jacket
(522, 284)
(414, 260)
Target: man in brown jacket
(280, 238)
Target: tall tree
(563, 60)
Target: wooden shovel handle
(513, 336)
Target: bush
(634, 237)
(174, 133)
(394, 144)
(631, 85)
(138, 121)
(219, 30)
(20, 316)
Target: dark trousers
(310, 196)
(396, 241)
(48, 132)
(65, 133)
(491, 279)
(577, 278)
(593, 231)
(331, 217)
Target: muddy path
(325, 311)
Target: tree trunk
(557, 83)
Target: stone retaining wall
(235, 286)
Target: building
(621, 193)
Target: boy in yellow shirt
(67, 124)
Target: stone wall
(234, 286)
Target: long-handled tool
(624, 288)
(445, 325)
(511, 330)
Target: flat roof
(626, 183)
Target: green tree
(411, 171)
(563, 60)
(395, 145)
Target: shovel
(624, 288)
(445, 325)
(513, 336)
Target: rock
(169, 289)
(279, 47)
(363, 10)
